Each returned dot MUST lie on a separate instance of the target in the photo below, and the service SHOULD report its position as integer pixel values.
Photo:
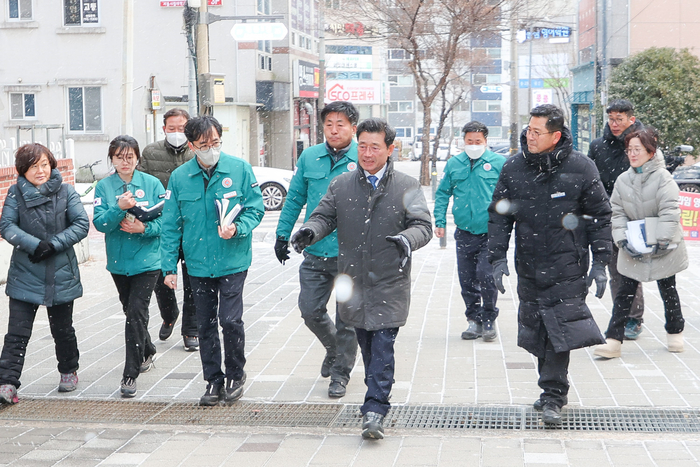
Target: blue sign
(545, 33)
(536, 83)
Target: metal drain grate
(348, 416)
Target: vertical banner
(690, 207)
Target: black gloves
(43, 251)
(282, 249)
(500, 267)
(301, 239)
(623, 245)
(404, 247)
(598, 275)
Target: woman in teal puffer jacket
(42, 218)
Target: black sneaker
(234, 390)
(336, 389)
(128, 387)
(166, 330)
(213, 394)
(474, 331)
(540, 403)
(147, 364)
(373, 426)
(191, 343)
(488, 331)
(551, 415)
(327, 365)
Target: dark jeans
(316, 280)
(637, 307)
(624, 298)
(476, 276)
(19, 330)
(167, 303)
(377, 349)
(222, 298)
(553, 370)
(135, 295)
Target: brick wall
(8, 176)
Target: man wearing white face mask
(218, 256)
(470, 179)
(160, 159)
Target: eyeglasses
(536, 133)
(616, 121)
(636, 151)
(206, 147)
(371, 149)
(127, 159)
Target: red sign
(182, 2)
(690, 207)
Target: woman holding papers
(646, 227)
(127, 209)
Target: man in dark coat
(609, 156)
(381, 217)
(554, 197)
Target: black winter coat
(559, 208)
(609, 155)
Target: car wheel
(690, 188)
(273, 196)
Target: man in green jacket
(470, 179)
(218, 256)
(316, 167)
(160, 159)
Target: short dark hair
(202, 126)
(29, 154)
(175, 113)
(377, 125)
(621, 105)
(554, 115)
(343, 107)
(646, 138)
(475, 127)
(654, 132)
(122, 144)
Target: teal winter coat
(472, 188)
(314, 172)
(190, 216)
(129, 254)
(51, 212)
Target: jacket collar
(221, 167)
(610, 138)
(545, 162)
(652, 165)
(36, 195)
(350, 153)
(487, 156)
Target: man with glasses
(218, 256)
(609, 156)
(553, 197)
(160, 159)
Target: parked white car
(274, 184)
(442, 155)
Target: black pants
(316, 281)
(624, 299)
(637, 307)
(554, 374)
(19, 330)
(167, 303)
(377, 349)
(222, 298)
(135, 295)
(476, 276)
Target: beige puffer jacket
(651, 193)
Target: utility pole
(321, 71)
(127, 126)
(202, 44)
(514, 83)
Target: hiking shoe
(551, 415)
(336, 389)
(633, 329)
(213, 394)
(191, 343)
(327, 365)
(488, 331)
(474, 331)
(128, 387)
(8, 394)
(373, 426)
(234, 390)
(147, 364)
(69, 381)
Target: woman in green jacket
(132, 236)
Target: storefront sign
(355, 91)
(181, 3)
(308, 76)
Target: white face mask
(208, 157)
(474, 151)
(176, 139)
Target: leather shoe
(327, 365)
(540, 403)
(551, 414)
(336, 389)
(373, 426)
(191, 343)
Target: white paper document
(224, 218)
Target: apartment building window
(22, 106)
(404, 132)
(495, 131)
(401, 106)
(85, 108)
(480, 79)
(265, 55)
(333, 4)
(80, 13)
(20, 10)
(486, 106)
(401, 80)
(398, 54)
